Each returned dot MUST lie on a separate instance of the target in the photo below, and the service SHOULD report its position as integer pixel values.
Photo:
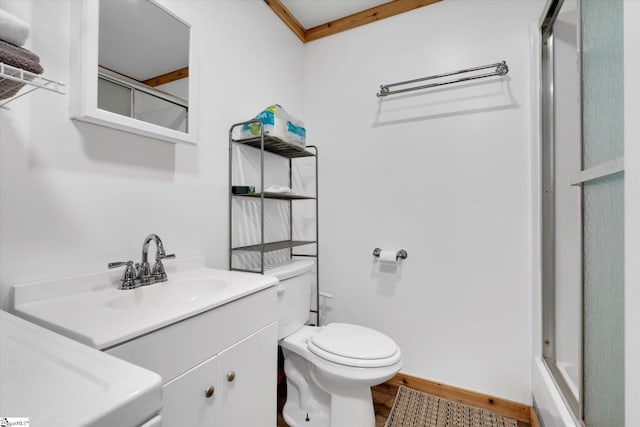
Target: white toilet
(330, 369)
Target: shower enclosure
(582, 171)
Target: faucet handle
(170, 256)
(128, 279)
(119, 264)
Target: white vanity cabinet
(190, 399)
(247, 381)
(235, 388)
(218, 368)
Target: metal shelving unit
(266, 143)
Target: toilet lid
(354, 345)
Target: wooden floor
(383, 397)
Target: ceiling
(141, 39)
(313, 19)
(311, 13)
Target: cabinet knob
(231, 375)
(209, 392)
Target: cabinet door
(186, 399)
(247, 381)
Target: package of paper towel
(279, 124)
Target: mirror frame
(83, 88)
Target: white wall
(632, 210)
(443, 174)
(179, 88)
(74, 196)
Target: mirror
(132, 68)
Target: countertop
(55, 381)
(90, 309)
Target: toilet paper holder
(402, 254)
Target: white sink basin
(170, 293)
(92, 310)
(58, 382)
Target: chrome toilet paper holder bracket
(401, 254)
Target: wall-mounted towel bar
(501, 69)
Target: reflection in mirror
(143, 60)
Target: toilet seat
(354, 345)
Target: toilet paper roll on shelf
(392, 257)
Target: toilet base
(346, 411)
(294, 417)
(312, 402)
(352, 408)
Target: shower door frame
(548, 208)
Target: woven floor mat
(417, 409)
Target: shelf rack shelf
(276, 146)
(7, 72)
(274, 246)
(266, 143)
(277, 196)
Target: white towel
(13, 29)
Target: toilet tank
(294, 294)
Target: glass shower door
(603, 211)
(582, 173)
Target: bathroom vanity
(210, 334)
(215, 364)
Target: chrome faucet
(142, 274)
(146, 274)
